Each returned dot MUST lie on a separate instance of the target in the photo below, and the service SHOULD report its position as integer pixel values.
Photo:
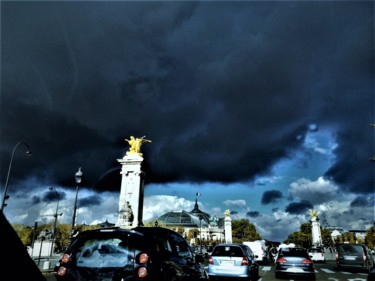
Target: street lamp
(55, 215)
(78, 179)
(28, 153)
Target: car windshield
(228, 251)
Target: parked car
(317, 254)
(233, 260)
(294, 261)
(354, 256)
(147, 253)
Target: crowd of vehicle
(156, 253)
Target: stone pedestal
(132, 191)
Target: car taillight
(210, 261)
(307, 261)
(142, 272)
(244, 261)
(364, 256)
(65, 258)
(61, 271)
(143, 258)
(281, 260)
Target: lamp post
(28, 153)
(55, 215)
(78, 179)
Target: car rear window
(315, 251)
(227, 251)
(350, 249)
(108, 252)
(293, 252)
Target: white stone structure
(228, 227)
(132, 186)
(315, 228)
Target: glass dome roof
(182, 218)
(195, 218)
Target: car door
(183, 260)
(253, 263)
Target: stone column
(315, 229)
(228, 227)
(132, 191)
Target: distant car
(354, 256)
(317, 254)
(294, 261)
(233, 260)
(143, 253)
(259, 249)
(371, 275)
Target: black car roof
(152, 229)
(142, 231)
(105, 231)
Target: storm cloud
(225, 91)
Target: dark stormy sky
(267, 102)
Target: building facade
(211, 228)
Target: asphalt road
(324, 272)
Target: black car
(354, 256)
(142, 253)
(294, 261)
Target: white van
(259, 249)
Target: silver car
(233, 260)
(294, 261)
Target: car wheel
(277, 275)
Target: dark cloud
(35, 200)
(271, 196)
(89, 201)
(298, 207)
(253, 214)
(224, 90)
(361, 201)
(52, 196)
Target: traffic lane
(323, 272)
(49, 276)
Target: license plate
(227, 262)
(294, 269)
(349, 258)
